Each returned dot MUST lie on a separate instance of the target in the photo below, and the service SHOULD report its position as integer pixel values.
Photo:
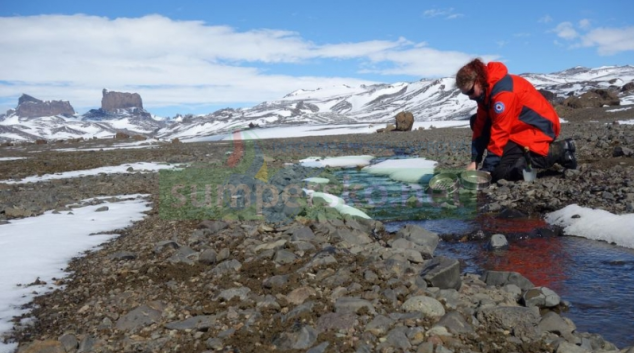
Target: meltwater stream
(596, 278)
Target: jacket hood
(495, 71)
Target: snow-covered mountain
(428, 100)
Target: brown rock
(595, 98)
(139, 138)
(404, 121)
(111, 101)
(41, 142)
(49, 346)
(30, 107)
(176, 140)
(121, 136)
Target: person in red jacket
(514, 123)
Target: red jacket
(516, 111)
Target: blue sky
(197, 57)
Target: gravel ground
(335, 285)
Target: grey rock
(102, 209)
(351, 238)
(299, 295)
(421, 236)
(442, 272)
(565, 347)
(350, 304)
(166, 244)
(139, 317)
(302, 233)
(228, 294)
(498, 242)
(306, 307)
(86, 345)
(284, 257)
(501, 278)
(302, 339)
(380, 325)
(337, 322)
(69, 342)
(184, 255)
(396, 339)
(275, 281)
(541, 297)
(455, 323)
(207, 257)
(199, 323)
(213, 226)
(227, 267)
(552, 322)
(320, 348)
(522, 322)
(429, 306)
(123, 255)
(214, 343)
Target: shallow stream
(596, 278)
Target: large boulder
(404, 121)
(595, 98)
(31, 107)
(113, 101)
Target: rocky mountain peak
(31, 107)
(113, 101)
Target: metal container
(443, 182)
(475, 179)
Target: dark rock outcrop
(595, 98)
(112, 101)
(404, 121)
(31, 107)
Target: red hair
(474, 71)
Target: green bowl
(443, 182)
(475, 179)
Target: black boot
(569, 159)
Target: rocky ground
(333, 285)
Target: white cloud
(501, 43)
(448, 13)
(173, 62)
(566, 31)
(584, 24)
(610, 41)
(545, 19)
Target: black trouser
(513, 159)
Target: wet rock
(541, 297)
(498, 242)
(501, 278)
